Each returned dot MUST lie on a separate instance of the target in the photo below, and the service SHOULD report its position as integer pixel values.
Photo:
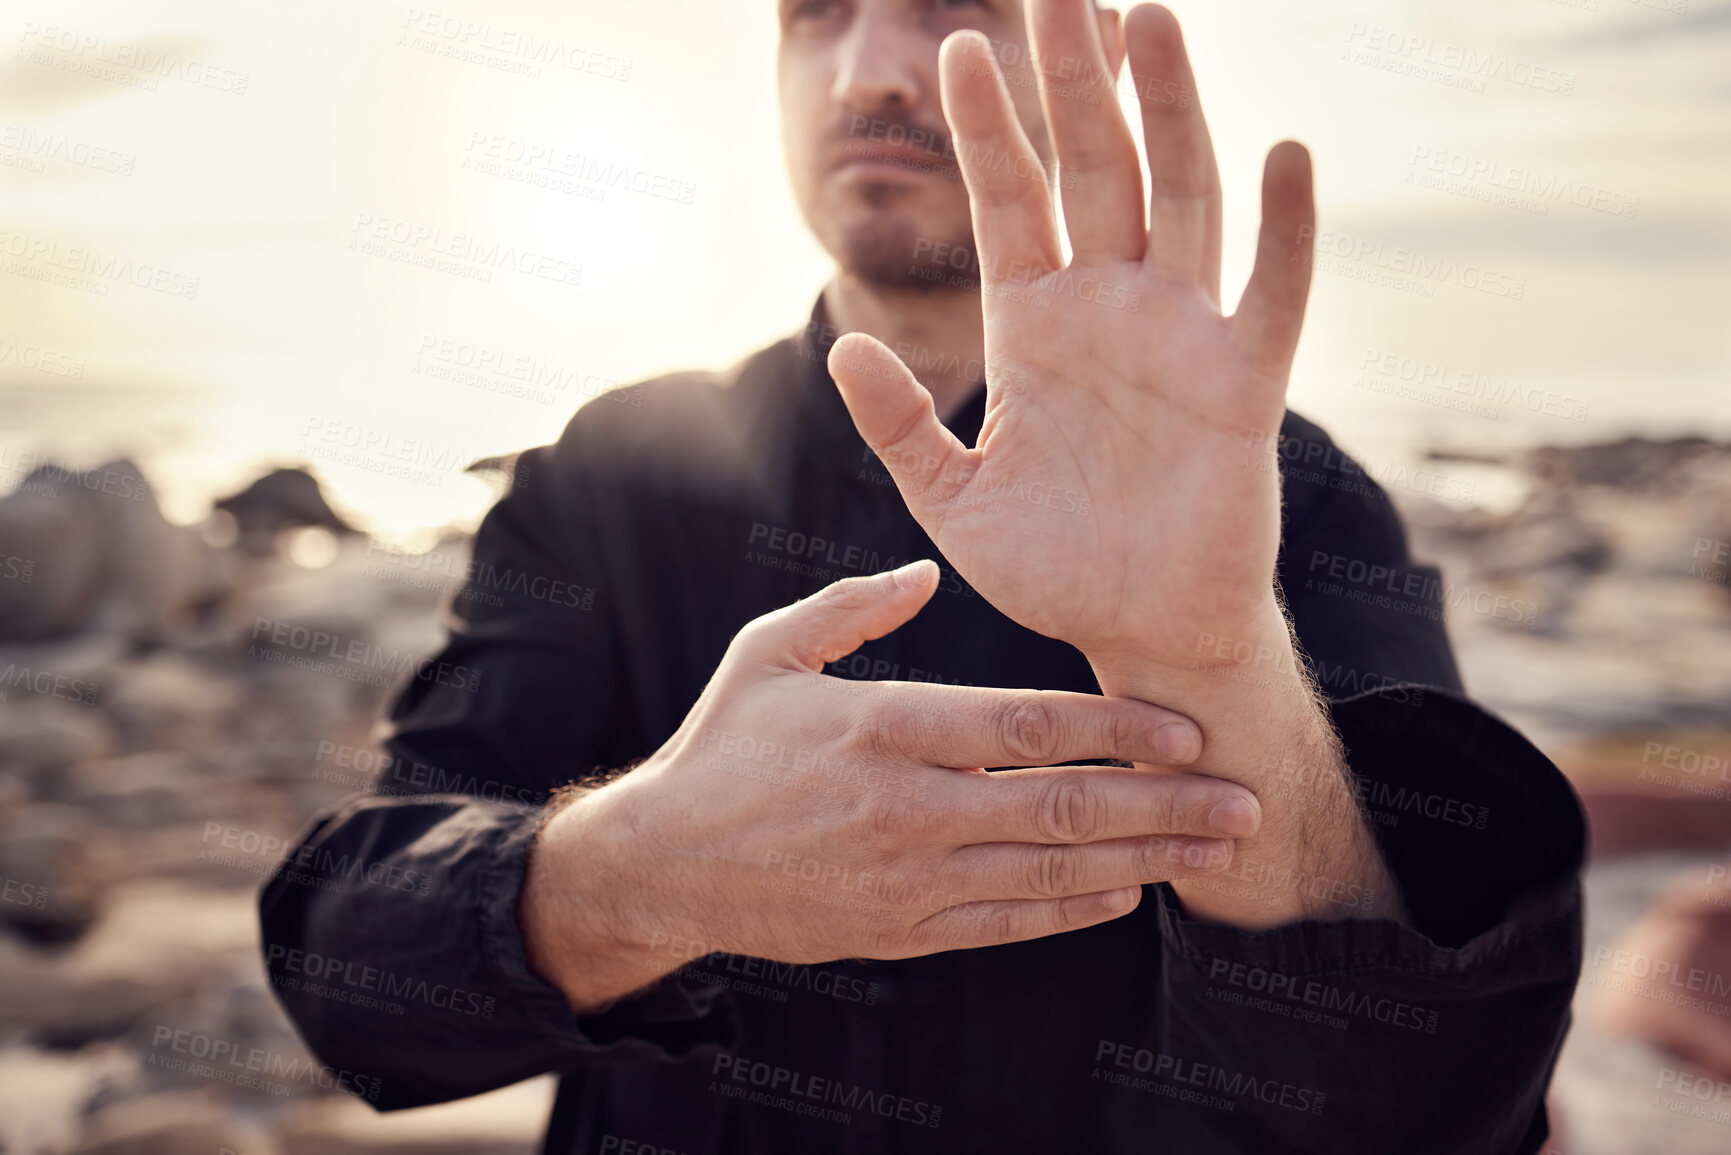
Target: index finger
(968, 726)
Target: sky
(218, 225)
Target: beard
(889, 249)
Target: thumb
(834, 621)
(894, 414)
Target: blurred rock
(45, 862)
(100, 556)
(152, 942)
(280, 499)
(43, 1095)
(504, 1122)
(170, 701)
(39, 732)
(174, 1123)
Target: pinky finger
(980, 924)
(1271, 314)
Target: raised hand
(1122, 495)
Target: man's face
(871, 160)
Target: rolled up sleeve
(1437, 1034)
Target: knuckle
(1030, 731)
(1121, 731)
(887, 820)
(849, 593)
(1055, 870)
(1003, 923)
(1157, 856)
(1068, 809)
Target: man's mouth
(874, 159)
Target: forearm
(1264, 727)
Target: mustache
(893, 137)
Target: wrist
(1265, 727)
(579, 887)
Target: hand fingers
(836, 620)
(1271, 315)
(894, 414)
(1014, 230)
(1184, 204)
(1096, 153)
(1074, 804)
(966, 726)
(1007, 870)
(978, 924)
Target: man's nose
(882, 63)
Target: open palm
(1122, 495)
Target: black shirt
(602, 593)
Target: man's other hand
(806, 818)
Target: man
(1213, 910)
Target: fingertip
(1121, 900)
(1237, 816)
(1208, 855)
(1178, 743)
(916, 574)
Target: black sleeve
(1337, 1035)
(1372, 1035)
(390, 932)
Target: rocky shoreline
(176, 702)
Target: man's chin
(898, 254)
